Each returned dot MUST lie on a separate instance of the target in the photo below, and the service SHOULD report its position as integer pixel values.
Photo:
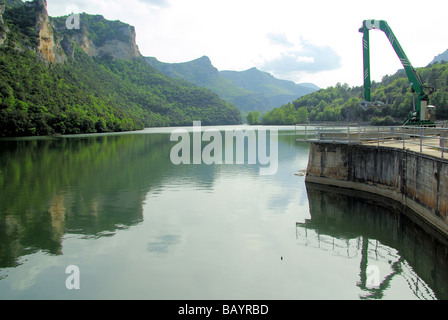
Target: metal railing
(429, 140)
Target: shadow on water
(382, 235)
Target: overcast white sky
(304, 41)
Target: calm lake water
(139, 227)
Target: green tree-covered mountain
(55, 79)
(341, 103)
(248, 90)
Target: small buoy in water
(281, 258)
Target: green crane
(422, 114)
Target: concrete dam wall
(416, 180)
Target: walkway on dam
(432, 141)
(430, 146)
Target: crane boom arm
(414, 79)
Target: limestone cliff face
(2, 11)
(123, 47)
(57, 39)
(48, 49)
(119, 49)
(83, 42)
(2, 25)
(118, 42)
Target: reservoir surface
(135, 225)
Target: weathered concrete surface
(418, 181)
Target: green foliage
(97, 28)
(341, 103)
(386, 121)
(253, 117)
(21, 20)
(287, 115)
(37, 100)
(87, 95)
(248, 90)
(12, 3)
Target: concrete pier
(417, 180)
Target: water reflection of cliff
(378, 233)
(90, 186)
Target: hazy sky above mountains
(303, 41)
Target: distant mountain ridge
(248, 90)
(55, 79)
(441, 57)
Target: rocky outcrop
(56, 39)
(124, 48)
(48, 49)
(2, 25)
(119, 42)
(118, 49)
(2, 11)
(81, 40)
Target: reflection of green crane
(354, 226)
(422, 114)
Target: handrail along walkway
(428, 140)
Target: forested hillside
(248, 90)
(59, 81)
(341, 103)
